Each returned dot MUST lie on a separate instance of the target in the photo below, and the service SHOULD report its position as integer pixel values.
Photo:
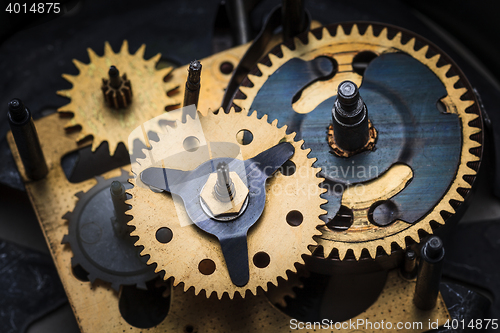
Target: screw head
(348, 94)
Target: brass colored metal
(117, 90)
(343, 48)
(285, 244)
(218, 207)
(344, 153)
(97, 310)
(102, 121)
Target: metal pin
(192, 92)
(224, 187)
(119, 196)
(293, 18)
(114, 77)
(429, 274)
(350, 118)
(26, 138)
(409, 269)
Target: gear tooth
(444, 69)
(79, 194)
(397, 38)
(423, 51)
(112, 147)
(287, 53)
(264, 118)
(434, 60)
(274, 122)
(342, 252)
(92, 55)
(83, 135)
(124, 48)
(154, 59)
(273, 58)
(383, 34)
(311, 38)
(65, 239)
(67, 216)
(140, 51)
(372, 252)
(298, 43)
(453, 79)
(80, 65)
(340, 31)
(357, 253)
(265, 70)
(70, 78)
(108, 50)
(64, 93)
(355, 31)
(325, 33)
(369, 32)
(410, 45)
(91, 278)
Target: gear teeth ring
(90, 233)
(102, 121)
(189, 245)
(337, 244)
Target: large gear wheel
(97, 248)
(274, 235)
(364, 239)
(95, 115)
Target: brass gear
(88, 105)
(363, 238)
(285, 245)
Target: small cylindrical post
(119, 196)
(192, 93)
(350, 118)
(114, 77)
(224, 187)
(293, 18)
(429, 274)
(409, 268)
(26, 138)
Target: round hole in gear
(164, 235)
(361, 61)
(342, 221)
(288, 168)
(244, 137)
(189, 329)
(294, 218)
(206, 266)
(226, 67)
(261, 259)
(383, 213)
(191, 143)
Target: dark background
(35, 49)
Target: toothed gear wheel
(306, 107)
(95, 246)
(283, 243)
(103, 121)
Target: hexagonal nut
(218, 207)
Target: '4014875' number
(37, 8)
